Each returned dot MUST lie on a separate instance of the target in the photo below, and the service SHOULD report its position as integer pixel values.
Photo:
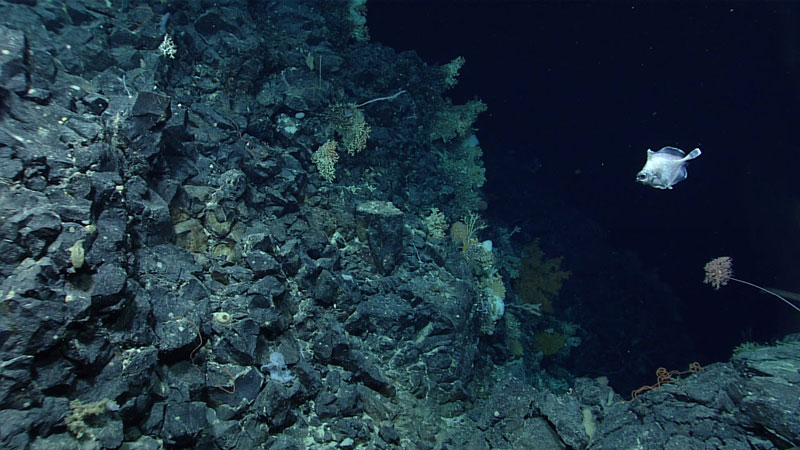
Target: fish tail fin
(693, 154)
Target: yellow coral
(456, 120)
(325, 159)
(540, 278)
(436, 223)
(349, 123)
(465, 232)
(548, 343)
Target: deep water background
(578, 91)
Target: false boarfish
(666, 167)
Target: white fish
(666, 167)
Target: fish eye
(640, 176)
